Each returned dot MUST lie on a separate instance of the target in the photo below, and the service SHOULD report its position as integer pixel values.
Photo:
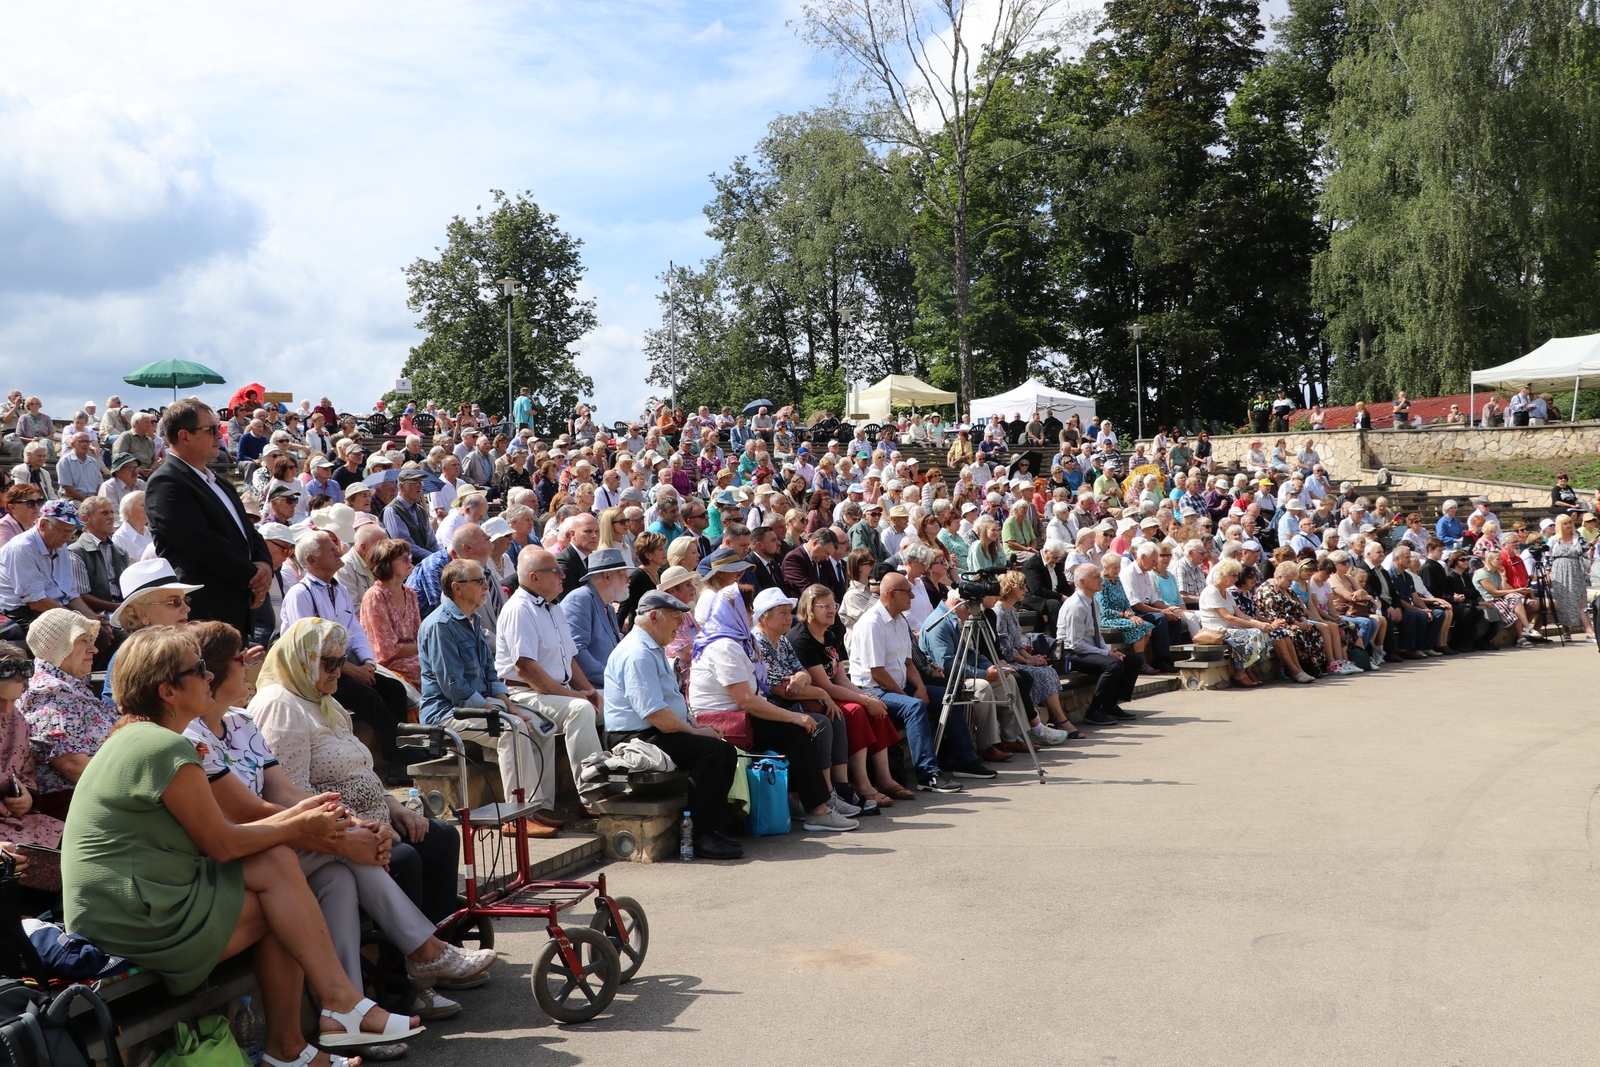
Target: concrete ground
(1393, 869)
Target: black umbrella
(756, 405)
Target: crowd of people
(707, 583)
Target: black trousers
(426, 869)
(1048, 606)
(1416, 631)
(381, 705)
(792, 741)
(711, 765)
(1115, 678)
(1161, 637)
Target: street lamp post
(512, 288)
(1138, 380)
(672, 328)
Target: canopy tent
(1033, 395)
(1546, 369)
(899, 391)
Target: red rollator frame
(580, 967)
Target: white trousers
(522, 768)
(343, 888)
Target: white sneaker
(1346, 667)
(1045, 734)
(1303, 678)
(1431, 652)
(842, 807)
(829, 820)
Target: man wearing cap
(355, 572)
(264, 617)
(407, 517)
(642, 700)
(199, 524)
(350, 471)
(321, 483)
(471, 506)
(36, 568)
(283, 503)
(590, 610)
(537, 658)
(865, 534)
(122, 480)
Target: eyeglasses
(31, 502)
(331, 664)
(14, 668)
(214, 429)
(471, 581)
(173, 602)
(198, 669)
(541, 570)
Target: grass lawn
(1585, 470)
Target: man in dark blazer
(583, 537)
(766, 568)
(1048, 584)
(199, 525)
(812, 564)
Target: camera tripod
(1539, 582)
(977, 638)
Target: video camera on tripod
(973, 587)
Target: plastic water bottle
(686, 839)
(414, 801)
(250, 1030)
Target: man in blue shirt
(1448, 528)
(642, 700)
(522, 411)
(407, 516)
(36, 569)
(458, 672)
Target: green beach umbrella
(174, 374)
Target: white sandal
(307, 1054)
(396, 1029)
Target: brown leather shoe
(535, 829)
(994, 755)
(547, 817)
(1010, 746)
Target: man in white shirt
(1139, 585)
(534, 654)
(444, 498)
(880, 664)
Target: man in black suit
(199, 525)
(583, 537)
(1048, 584)
(766, 569)
(1407, 626)
(812, 564)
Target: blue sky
(242, 184)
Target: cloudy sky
(242, 184)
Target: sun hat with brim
(356, 488)
(603, 561)
(465, 490)
(337, 519)
(726, 561)
(769, 598)
(496, 528)
(52, 634)
(673, 577)
(145, 576)
(121, 460)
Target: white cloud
(261, 174)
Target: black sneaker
(975, 769)
(1122, 716)
(1099, 718)
(717, 847)
(938, 783)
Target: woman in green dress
(153, 871)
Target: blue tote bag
(768, 778)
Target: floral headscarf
(295, 663)
(729, 621)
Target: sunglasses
(31, 502)
(331, 664)
(198, 669)
(14, 668)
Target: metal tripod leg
(975, 632)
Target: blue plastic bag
(768, 779)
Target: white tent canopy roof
(899, 391)
(1033, 395)
(1557, 364)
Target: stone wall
(1516, 494)
(1345, 451)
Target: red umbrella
(249, 395)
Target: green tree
(1461, 153)
(463, 310)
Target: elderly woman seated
(310, 733)
(1277, 628)
(730, 682)
(1040, 680)
(789, 683)
(20, 823)
(153, 870)
(250, 785)
(1244, 638)
(67, 722)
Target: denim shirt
(457, 664)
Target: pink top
(390, 625)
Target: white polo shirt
(877, 640)
(532, 628)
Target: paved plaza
(1396, 870)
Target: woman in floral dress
(1277, 601)
(1116, 614)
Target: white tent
(898, 391)
(1547, 368)
(1033, 395)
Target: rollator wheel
(637, 928)
(576, 998)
